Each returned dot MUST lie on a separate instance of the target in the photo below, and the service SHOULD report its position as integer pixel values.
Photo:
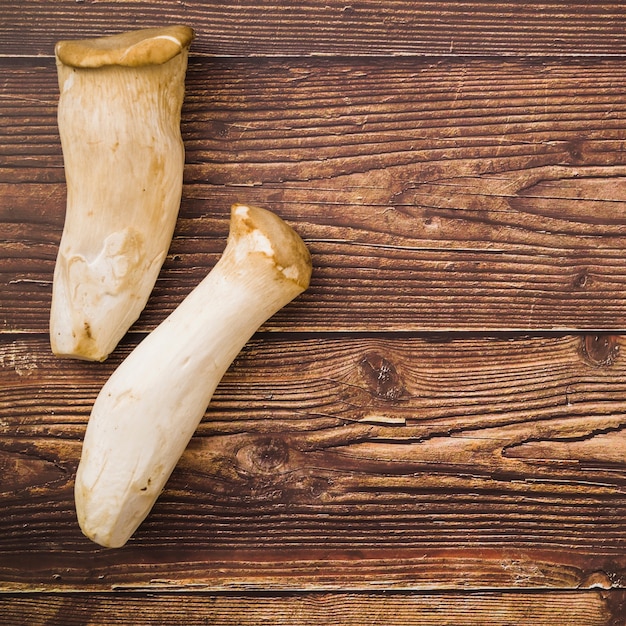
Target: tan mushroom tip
(269, 235)
(148, 46)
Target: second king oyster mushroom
(119, 121)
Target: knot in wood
(576, 150)
(597, 580)
(264, 456)
(582, 280)
(600, 350)
(381, 376)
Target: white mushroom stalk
(148, 410)
(119, 123)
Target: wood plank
(365, 27)
(592, 608)
(344, 474)
(434, 196)
(396, 460)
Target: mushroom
(148, 410)
(119, 122)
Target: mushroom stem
(148, 410)
(119, 123)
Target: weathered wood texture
(381, 460)
(479, 609)
(434, 195)
(337, 27)
(435, 429)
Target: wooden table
(434, 433)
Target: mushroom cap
(258, 230)
(148, 46)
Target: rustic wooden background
(435, 432)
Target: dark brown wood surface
(333, 27)
(434, 195)
(434, 432)
(590, 608)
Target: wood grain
(400, 609)
(365, 27)
(330, 458)
(434, 432)
(434, 196)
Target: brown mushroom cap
(288, 252)
(148, 46)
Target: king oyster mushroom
(146, 413)
(119, 122)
